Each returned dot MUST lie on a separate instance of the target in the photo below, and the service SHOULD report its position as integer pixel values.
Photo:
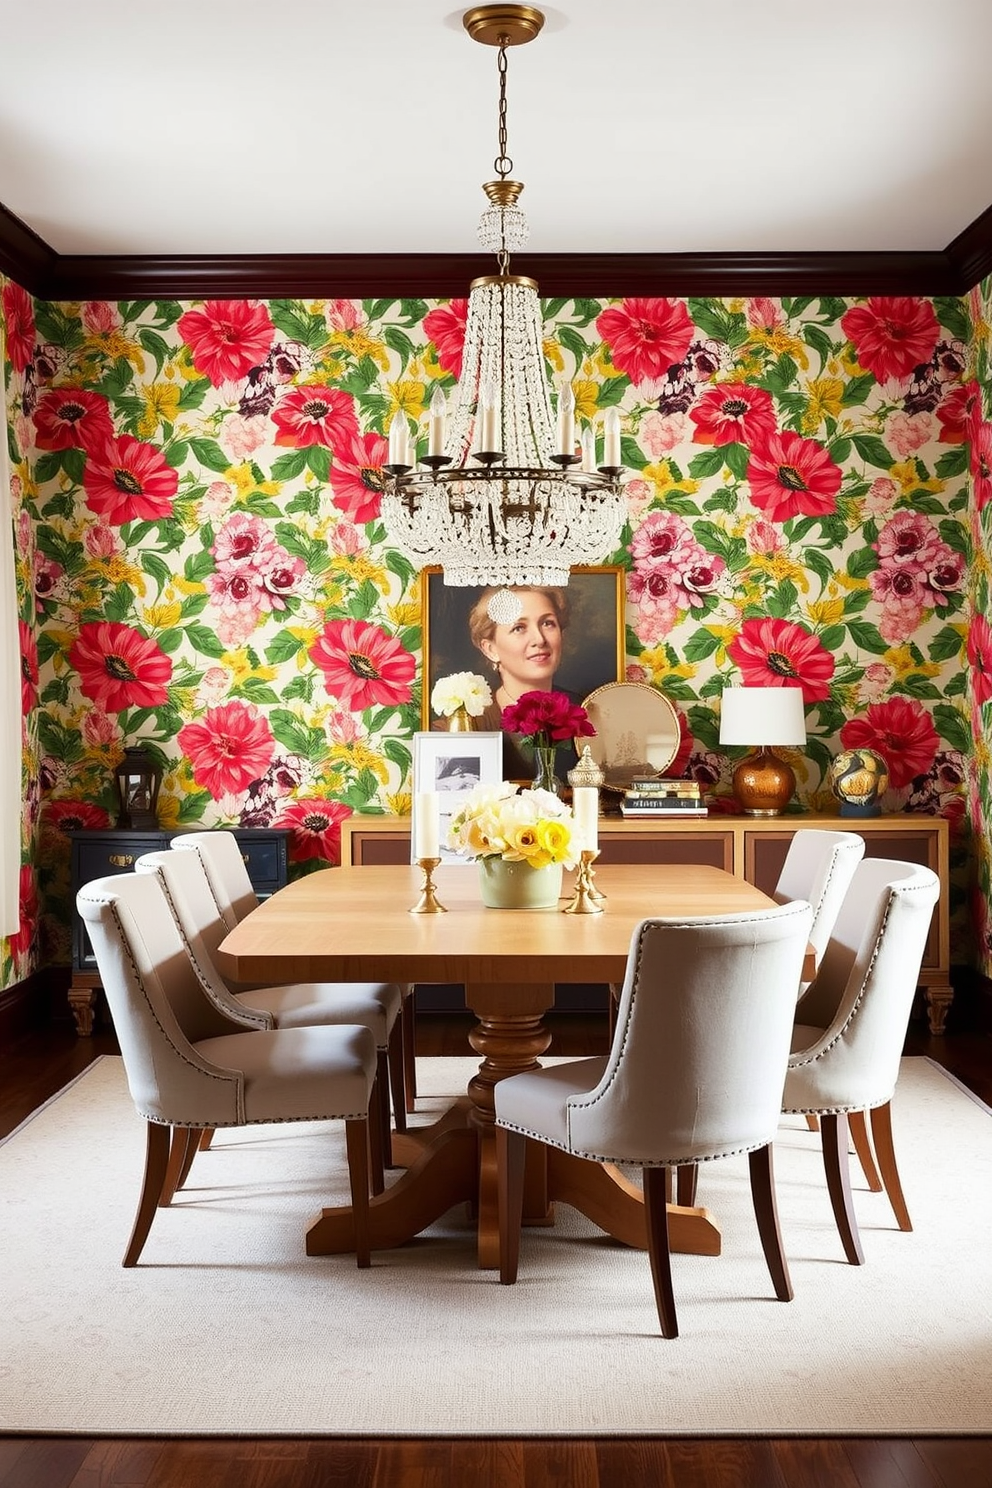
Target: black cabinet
(97, 854)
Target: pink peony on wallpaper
(204, 570)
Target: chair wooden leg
(157, 1139)
(812, 1121)
(511, 1153)
(656, 1214)
(686, 1179)
(834, 1137)
(358, 1144)
(184, 1147)
(381, 1092)
(409, 1017)
(881, 1130)
(206, 1137)
(377, 1169)
(397, 1080)
(762, 1172)
(858, 1128)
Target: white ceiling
(660, 126)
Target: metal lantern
(137, 779)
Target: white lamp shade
(762, 715)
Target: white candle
(425, 823)
(585, 810)
(566, 420)
(398, 440)
(611, 438)
(439, 409)
(489, 443)
(588, 449)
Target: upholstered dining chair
(694, 1073)
(234, 896)
(191, 1066)
(851, 1026)
(184, 883)
(819, 867)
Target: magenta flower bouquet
(545, 720)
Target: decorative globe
(858, 778)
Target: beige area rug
(227, 1327)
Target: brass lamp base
(763, 784)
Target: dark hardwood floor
(40, 1063)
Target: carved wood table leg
(939, 1001)
(82, 1001)
(603, 1194)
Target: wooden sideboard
(96, 854)
(751, 847)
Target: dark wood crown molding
(49, 275)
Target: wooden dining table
(355, 924)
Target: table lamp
(761, 717)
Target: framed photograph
(452, 764)
(593, 641)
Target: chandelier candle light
(761, 717)
(502, 496)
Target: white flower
(461, 690)
(523, 826)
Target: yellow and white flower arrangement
(461, 690)
(520, 826)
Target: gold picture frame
(594, 650)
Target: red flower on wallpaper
(892, 334)
(316, 825)
(445, 326)
(902, 732)
(958, 411)
(316, 414)
(228, 748)
(71, 418)
(790, 476)
(733, 411)
(20, 942)
(356, 477)
(980, 658)
(19, 316)
(363, 666)
(119, 667)
(29, 667)
(981, 463)
(127, 480)
(75, 816)
(781, 653)
(227, 338)
(645, 337)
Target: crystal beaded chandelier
(501, 495)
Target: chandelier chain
(502, 165)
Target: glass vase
(544, 769)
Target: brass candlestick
(428, 903)
(585, 900)
(594, 894)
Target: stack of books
(653, 795)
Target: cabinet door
(264, 854)
(712, 849)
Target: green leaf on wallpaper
(54, 325)
(398, 341)
(198, 565)
(553, 307)
(167, 312)
(715, 540)
(714, 319)
(611, 391)
(61, 743)
(319, 461)
(781, 600)
(364, 600)
(631, 453)
(48, 646)
(955, 535)
(258, 691)
(298, 687)
(290, 465)
(737, 457)
(283, 647)
(818, 752)
(411, 638)
(156, 346)
(294, 735)
(154, 564)
(861, 563)
(704, 727)
(953, 727)
(701, 644)
(919, 500)
(209, 453)
(413, 311)
(833, 637)
(397, 752)
(953, 316)
(74, 464)
(376, 309)
(194, 393)
(947, 645)
(175, 452)
(400, 566)
(831, 307)
(48, 465)
(376, 411)
(204, 640)
(707, 462)
(171, 639)
(56, 693)
(868, 637)
(952, 462)
(917, 686)
(794, 306)
(872, 450)
(62, 505)
(117, 603)
(192, 807)
(814, 335)
(956, 686)
(780, 375)
(585, 310)
(857, 390)
(822, 565)
(839, 449)
(291, 319)
(573, 341)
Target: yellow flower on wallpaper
(824, 612)
(359, 568)
(406, 397)
(399, 803)
(909, 478)
(655, 660)
(904, 664)
(553, 353)
(162, 616)
(778, 567)
(660, 476)
(360, 757)
(778, 340)
(407, 612)
(361, 344)
(586, 399)
(161, 406)
(825, 401)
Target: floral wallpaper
(204, 569)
